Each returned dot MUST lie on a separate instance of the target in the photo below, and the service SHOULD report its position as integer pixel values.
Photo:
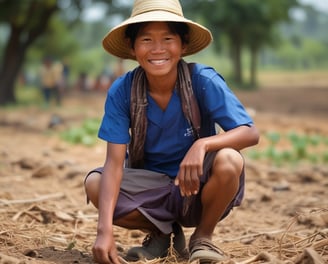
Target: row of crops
(289, 148)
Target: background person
(50, 78)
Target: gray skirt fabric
(155, 196)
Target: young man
(162, 115)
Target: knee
(227, 166)
(91, 186)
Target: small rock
(27, 163)
(282, 186)
(73, 173)
(318, 219)
(44, 171)
(309, 176)
(55, 120)
(31, 253)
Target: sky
(318, 4)
(97, 11)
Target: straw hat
(155, 10)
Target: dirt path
(44, 217)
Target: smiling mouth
(158, 62)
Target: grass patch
(291, 149)
(85, 134)
(28, 95)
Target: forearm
(108, 194)
(238, 139)
(110, 184)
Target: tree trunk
(253, 69)
(237, 65)
(21, 38)
(13, 59)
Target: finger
(200, 171)
(194, 187)
(100, 256)
(195, 175)
(180, 181)
(176, 181)
(114, 258)
(188, 182)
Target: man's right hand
(104, 249)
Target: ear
(128, 42)
(185, 44)
(184, 48)
(132, 52)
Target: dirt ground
(44, 217)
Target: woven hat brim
(116, 44)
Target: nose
(158, 47)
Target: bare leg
(156, 245)
(133, 220)
(225, 173)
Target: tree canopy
(34, 28)
(27, 21)
(248, 24)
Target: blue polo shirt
(169, 135)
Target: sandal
(205, 251)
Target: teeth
(158, 62)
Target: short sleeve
(217, 101)
(115, 123)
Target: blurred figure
(50, 78)
(83, 83)
(119, 69)
(65, 76)
(108, 76)
(102, 82)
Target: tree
(27, 21)
(261, 27)
(227, 17)
(246, 23)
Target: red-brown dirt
(44, 217)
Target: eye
(145, 39)
(170, 37)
